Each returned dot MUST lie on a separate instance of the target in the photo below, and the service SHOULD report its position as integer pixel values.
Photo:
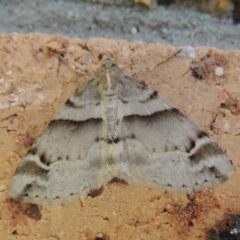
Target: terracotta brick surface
(35, 81)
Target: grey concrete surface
(172, 25)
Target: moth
(115, 126)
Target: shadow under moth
(115, 126)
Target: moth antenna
(72, 64)
(155, 66)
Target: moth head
(109, 78)
(108, 63)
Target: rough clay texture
(35, 81)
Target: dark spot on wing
(27, 189)
(202, 135)
(32, 151)
(124, 101)
(144, 86)
(31, 168)
(176, 148)
(191, 146)
(205, 151)
(71, 104)
(166, 148)
(192, 158)
(218, 174)
(153, 95)
(44, 160)
(212, 169)
(116, 140)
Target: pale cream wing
(68, 160)
(162, 148)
